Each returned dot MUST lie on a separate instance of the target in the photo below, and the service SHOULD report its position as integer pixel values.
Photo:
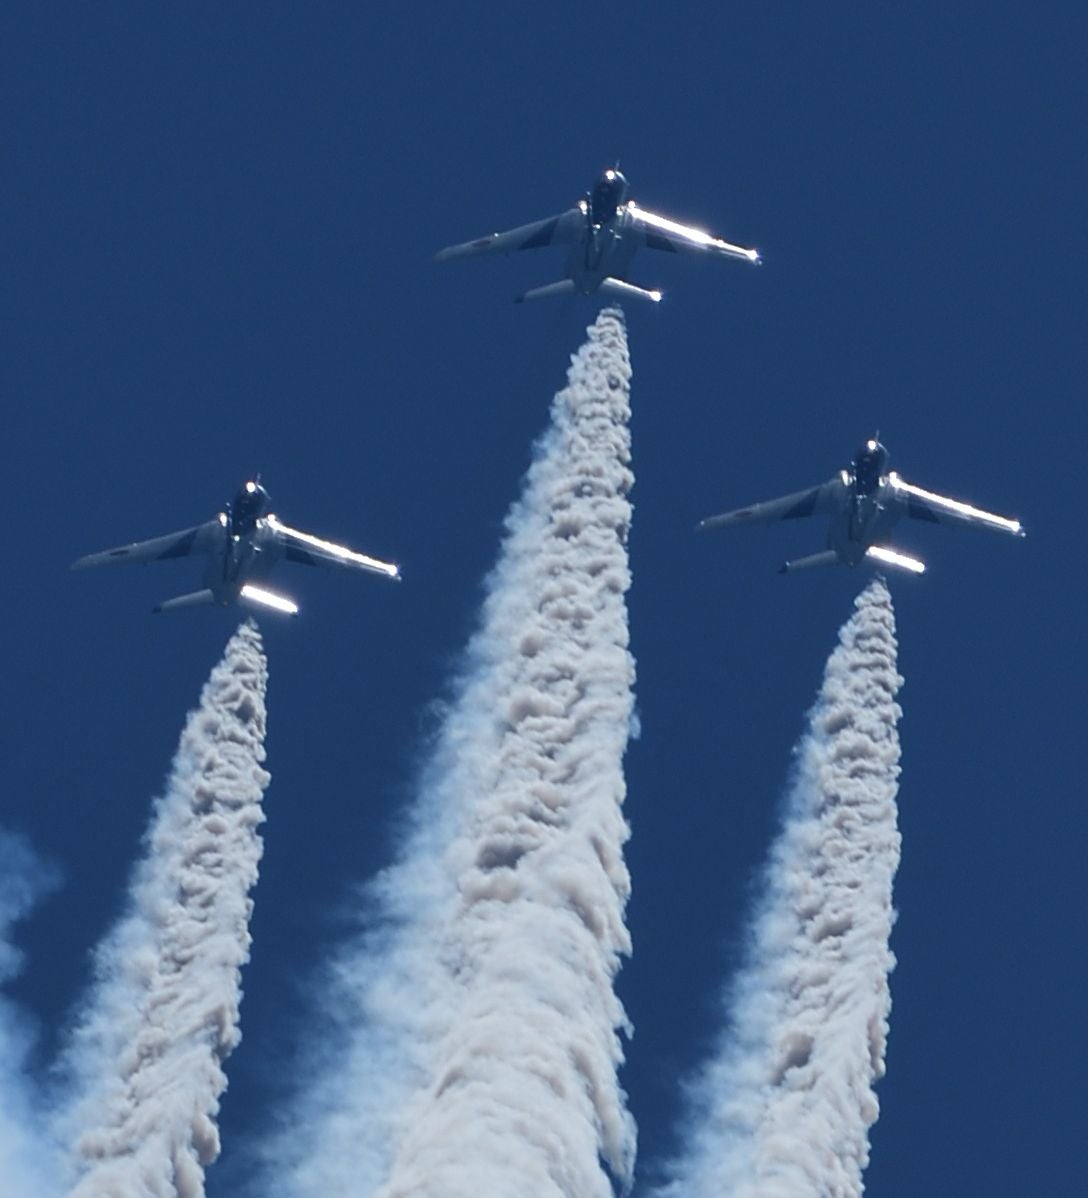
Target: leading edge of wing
(661, 233)
(314, 551)
(928, 505)
(816, 500)
(176, 544)
(553, 230)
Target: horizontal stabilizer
(892, 557)
(194, 599)
(828, 557)
(563, 287)
(629, 291)
(260, 599)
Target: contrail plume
(148, 1054)
(784, 1109)
(25, 1159)
(485, 1045)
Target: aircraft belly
(617, 260)
(592, 261)
(884, 520)
(217, 577)
(849, 537)
(867, 523)
(838, 539)
(585, 280)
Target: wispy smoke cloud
(484, 1029)
(784, 1110)
(26, 1160)
(148, 1056)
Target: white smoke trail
(784, 1110)
(164, 1015)
(26, 1161)
(484, 1046)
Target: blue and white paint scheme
(864, 503)
(242, 544)
(602, 232)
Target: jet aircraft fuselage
(607, 246)
(602, 232)
(870, 511)
(863, 503)
(241, 545)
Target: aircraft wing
(175, 544)
(938, 509)
(564, 229)
(815, 501)
(313, 551)
(660, 233)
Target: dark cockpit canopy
(607, 195)
(247, 507)
(870, 466)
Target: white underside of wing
(694, 237)
(561, 229)
(955, 507)
(329, 549)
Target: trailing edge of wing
(313, 551)
(927, 505)
(660, 233)
(816, 500)
(554, 230)
(175, 544)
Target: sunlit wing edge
(696, 237)
(958, 508)
(336, 552)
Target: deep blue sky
(217, 231)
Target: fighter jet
(243, 542)
(864, 503)
(602, 232)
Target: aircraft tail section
(827, 557)
(627, 290)
(193, 599)
(563, 287)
